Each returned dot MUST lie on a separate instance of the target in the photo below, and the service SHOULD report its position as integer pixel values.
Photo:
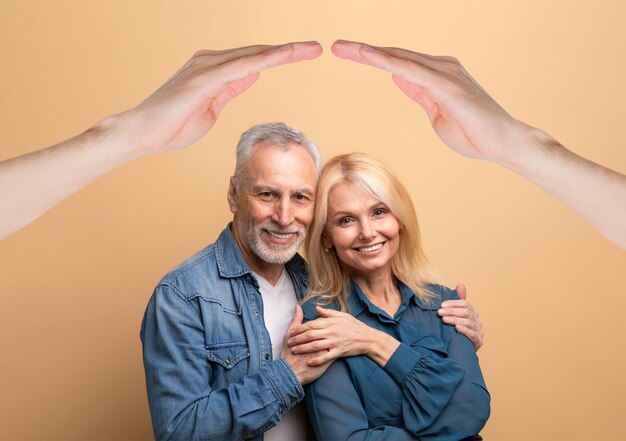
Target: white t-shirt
(279, 304)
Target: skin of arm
(471, 123)
(175, 116)
(337, 334)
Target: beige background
(74, 284)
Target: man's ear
(232, 195)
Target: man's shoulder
(199, 262)
(193, 275)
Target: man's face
(274, 205)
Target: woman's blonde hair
(328, 280)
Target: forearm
(31, 184)
(596, 193)
(199, 393)
(238, 411)
(381, 346)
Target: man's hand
(461, 315)
(183, 109)
(461, 112)
(300, 363)
(337, 334)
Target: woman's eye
(345, 220)
(379, 212)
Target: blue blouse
(431, 387)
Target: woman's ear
(326, 243)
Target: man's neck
(270, 271)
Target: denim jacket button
(227, 360)
(258, 314)
(267, 357)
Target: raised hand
(183, 109)
(471, 123)
(179, 113)
(462, 114)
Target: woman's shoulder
(308, 307)
(441, 294)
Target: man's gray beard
(273, 253)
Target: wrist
(381, 347)
(116, 131)
(528, 146)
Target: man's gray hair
(277, 133)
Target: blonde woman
(417, 377)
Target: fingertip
(461, 291)
(306, 50)
(345, 49)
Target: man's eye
(265, 195)
(301, 197)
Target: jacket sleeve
(183, 405)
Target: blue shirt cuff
(284, 383)
(402, 362)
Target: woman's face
(362, 229)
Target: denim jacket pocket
(228, 354)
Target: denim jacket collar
(231, 264)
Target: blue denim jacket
(207, 353)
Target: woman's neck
(382, 290)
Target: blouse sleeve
(444, 393)
(336, 411)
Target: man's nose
(283, 213)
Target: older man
(217, 365)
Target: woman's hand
(341, 335)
